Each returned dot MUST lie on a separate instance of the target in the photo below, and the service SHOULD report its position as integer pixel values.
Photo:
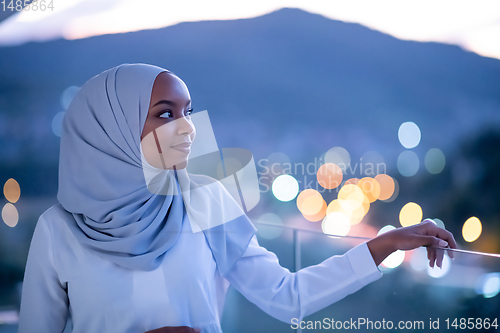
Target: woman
(119, 255)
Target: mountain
(288, 81)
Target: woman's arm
(44, 300)
(259, 277)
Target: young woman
(116, 256)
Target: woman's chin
(181, 165)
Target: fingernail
(443, 243)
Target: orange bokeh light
(12, 190)
(310, 202)
(329, 175)
(318, 216)
(370, 188)
(353, 181)
(387, 186)
(353, 201)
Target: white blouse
(67, 286)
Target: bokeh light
(359, 213)
(351, 192)
(319, 215)
(409, 134)
(67, 96)
(472, 229)
(437, 272)
(434, 161)
(11, 190)
(370, 188)
(335, 206)
(336, 223)
(419, 261)
(353, 181)
(355, 211)
(270, 232)
(57, 122)
(312, 205)
(329, 175)
(395, 193)
(491, 286)
(386, 186)
(352, 199)
(385, 229)
(285, 188)
(439, 223)
(408, 163)
(410, 214)
(394, 259)
(309, 201)
(339, 156)
(10, 215)
(488, 285)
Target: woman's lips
(183, 147)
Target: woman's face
(168, 131)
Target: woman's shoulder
(55, 213)
(54, 217)
(54, 226)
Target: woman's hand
(175, 329)
(426, 233)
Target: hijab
(103, 180)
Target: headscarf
(102, 182)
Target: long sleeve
(44, 300)
(259, 277)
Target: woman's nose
(184, 126)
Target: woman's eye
(166, 114)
